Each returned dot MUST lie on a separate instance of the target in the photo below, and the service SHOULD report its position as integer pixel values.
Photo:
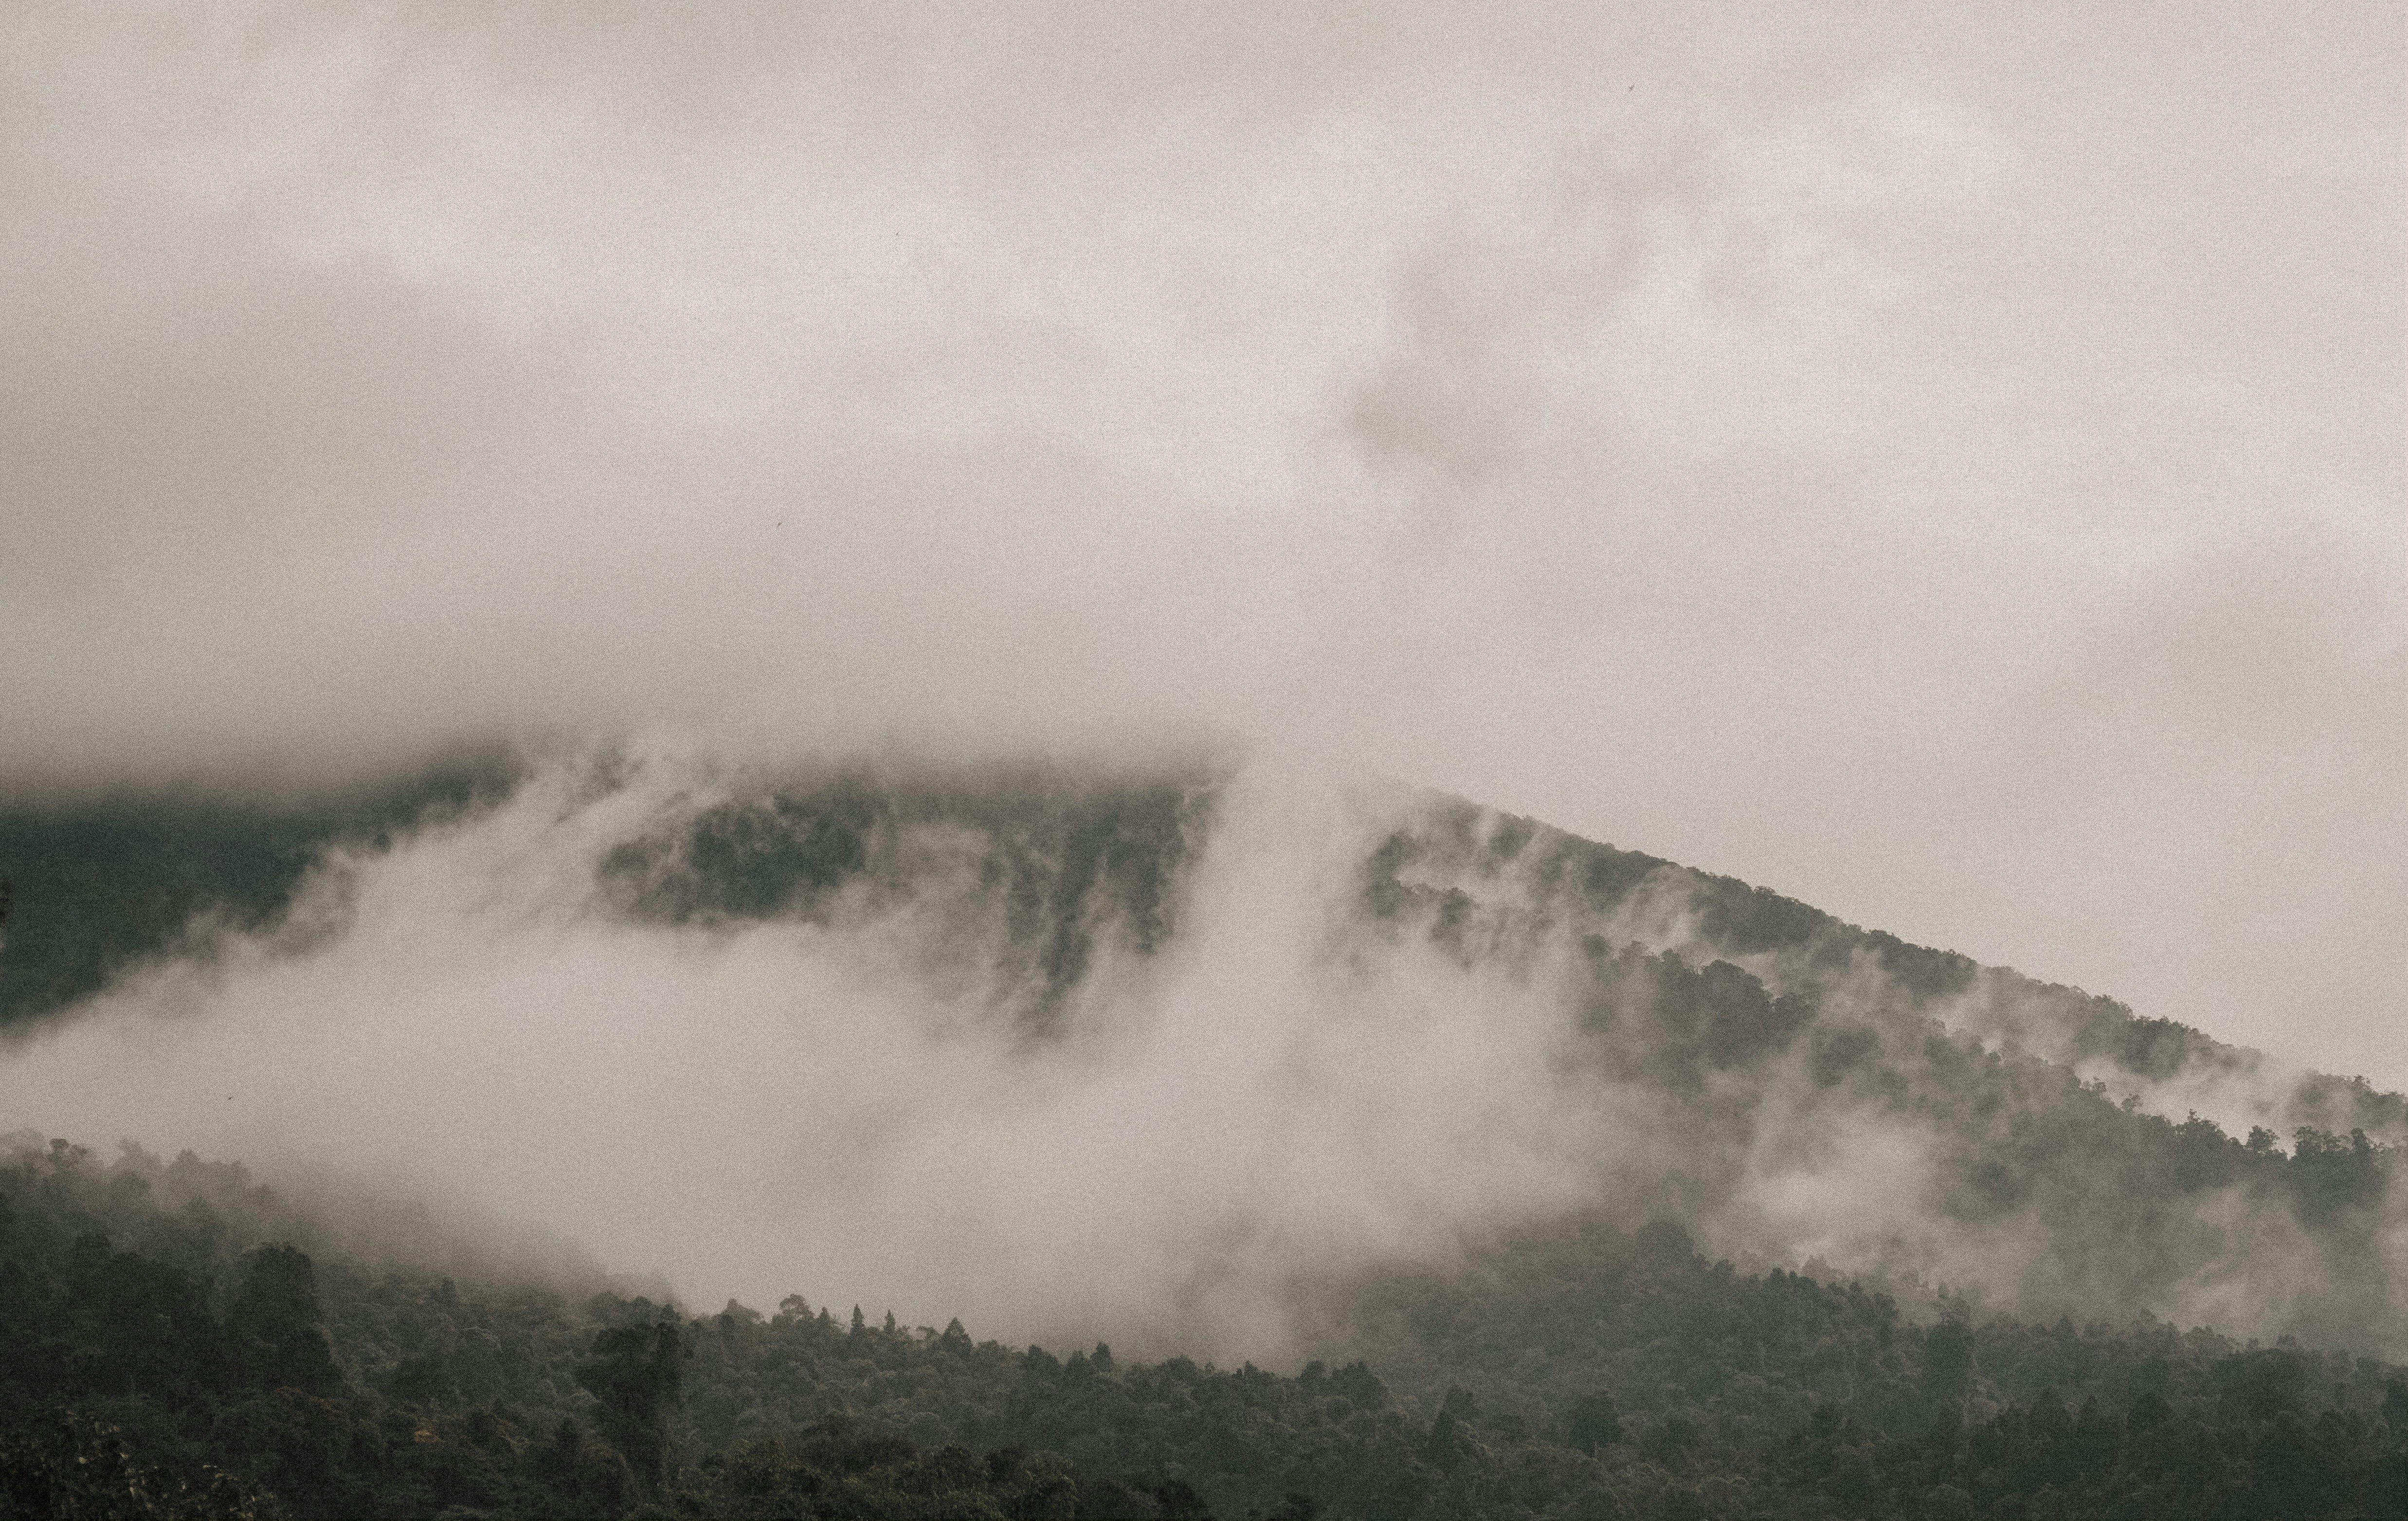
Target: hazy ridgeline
(1149, 1056)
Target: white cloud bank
(1946, 473)
(787, 1107)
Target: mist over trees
(1785, 1084)
(99, 886)
(774, 761)
(1868, 1229)
(160, 1361)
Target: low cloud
(830, 1107)
(1164, 1063)
(1817, 445)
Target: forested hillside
(98, 886)
(95, 887)
(1488, 881)
(1852, 1229)
(1784, 1084)
(156, 1346)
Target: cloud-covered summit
(1940, 470)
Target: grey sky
(1946, 469)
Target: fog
(1344, 1028)
(1940, 468)
(1944, 470)
(832, 1108)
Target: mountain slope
(1412, 1023)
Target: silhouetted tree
(273, 1325)
(1947, 1362)
(1595, 1423)
(634, 1375)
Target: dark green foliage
(1664, 1022)
(1595, 1422)
(1765, 1015)
(836, 1470)
(95, 886)
(1947, 1364)
(272, 1326)
(1577, 1372)
(123, 1324)
(61, 1466)
(1583, 1372)
(633, 1375)
(1068, 863)
(2333, 1174)
(1436, 874)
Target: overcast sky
(1947, 469)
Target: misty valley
(1120, 1144)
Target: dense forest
(2035, 1224)
(172, 1348)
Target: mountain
(1787, 1085)
(1605, 1186)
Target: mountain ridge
(177, 861)
(1602, 1028)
